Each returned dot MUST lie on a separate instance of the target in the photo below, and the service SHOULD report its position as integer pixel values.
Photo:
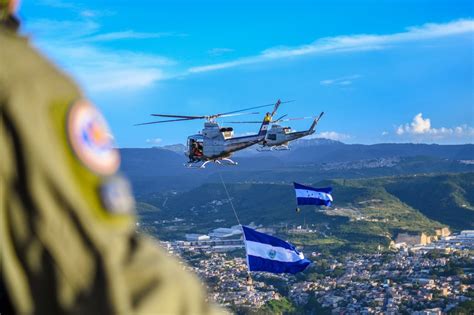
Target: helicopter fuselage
(215, 142)
(281, 136)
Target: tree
(464, 308)
(282, 306)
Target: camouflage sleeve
(67, 228)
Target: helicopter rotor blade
(243, 122)
(272, 122)
(178, 116)
(239, 114)
(280, 118)
(299, 118)
(277, 105)
(238, 111)
(245, 109)
(292, 119)
(164, 121)
(212, 117)
(275, 108)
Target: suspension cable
(228, 197)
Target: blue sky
(383, 71)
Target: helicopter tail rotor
(315, 122)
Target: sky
(382, 71)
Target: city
(421, 275)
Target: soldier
(67, 227)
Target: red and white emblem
(91, 139)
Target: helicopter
(215, 143)
(278, 137)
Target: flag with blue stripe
(271, 254)
(306, 195)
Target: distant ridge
(177, 148)
(161, 168)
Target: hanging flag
(271, 254)
(306, 195)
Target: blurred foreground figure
(67, 235)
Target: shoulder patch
(116, 196)
(90, 138)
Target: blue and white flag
(271, 254)
(306, 195)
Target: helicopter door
(195, 148)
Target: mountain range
(379, 190)
(161, 169)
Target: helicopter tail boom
(300, 134)
(315, 122)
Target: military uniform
(67, 228)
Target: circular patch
(116, 196)
(91, 139)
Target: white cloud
(345, 82)
(359, 42)
(104, 70)
(385, 133)
(219, 51)
(224, 65)
(129, 34)
(419, 125)
(332, 135)
(73, 7)
(420, 129)
(154, 141)
(59, 30)
(326, 82)
(342, 81)
(71, 44)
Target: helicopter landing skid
(203, 164)
(281, 148)
(228, 161)
(196, 165)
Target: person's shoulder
(22, 66)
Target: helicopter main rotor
(280, 119)
(210, 118)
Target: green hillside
(366, 212)
(448, 199)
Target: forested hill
(159, 169)
(365, 210)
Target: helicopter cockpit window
(272, 136)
